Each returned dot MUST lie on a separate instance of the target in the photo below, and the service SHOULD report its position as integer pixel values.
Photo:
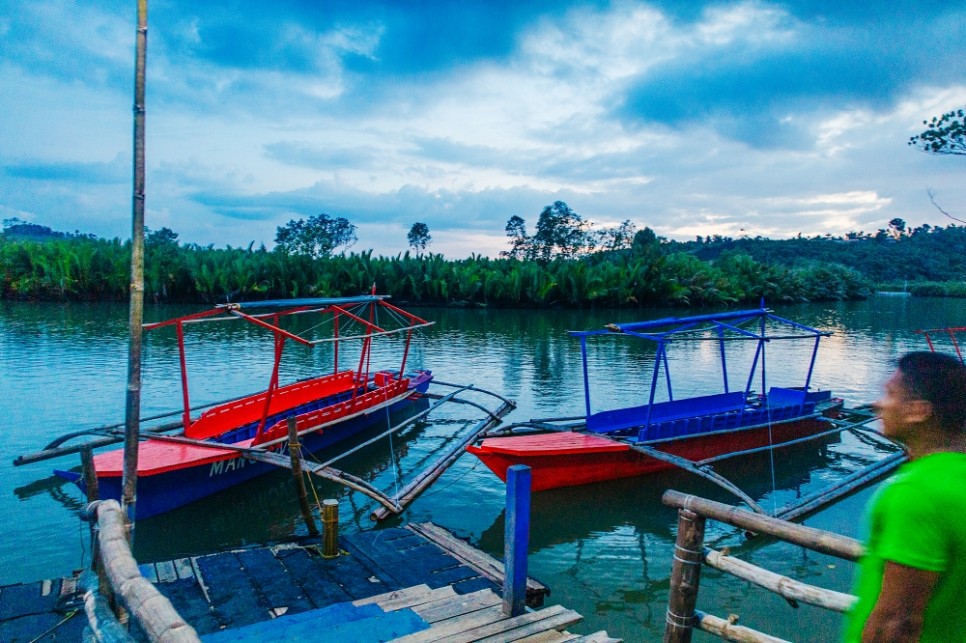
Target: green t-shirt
(918, 519)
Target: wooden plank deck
(415, 585)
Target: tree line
(643, 271)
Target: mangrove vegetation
(564, 263)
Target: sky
(693, 118)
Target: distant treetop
(946, 134)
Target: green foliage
(561, 232)
(651, 272)
(316, 237)
(419, 237)
(946, 134)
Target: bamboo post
(294, 449)
(685, 577)
(90, 487)
(90, 475)
(516, 539)
(330, 528)
(132, 409)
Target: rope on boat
(392, 430)
(332, 475)
(392, 460)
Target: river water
(605, 550)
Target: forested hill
(634, 270)
(922, 254)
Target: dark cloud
(117, 171)
(746, 92)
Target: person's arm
(898, 614)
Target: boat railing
(153, 612)
(690, 554)
(249, 409)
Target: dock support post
(90, 488)
(330, 528)
(685, 577)
(294, 449)
(516, 539)
(90, 475)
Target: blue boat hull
(163, 492)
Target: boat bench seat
(785, 397)
(224, 417)
(620, 419)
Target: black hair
(939, 379)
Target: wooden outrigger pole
(132, 410)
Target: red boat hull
(570, 459)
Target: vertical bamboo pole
(330, 528)
(133, 403)
(516, 539)
(685, 577)
(90, 487)
(294, 448)
(90, 475)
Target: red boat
(935, 339)
(212, 451)
(638, 440)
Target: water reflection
(577, 513)
(605, 550)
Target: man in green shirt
(912, 579)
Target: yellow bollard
(330, 528)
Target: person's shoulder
(943, 472)
(952, 462)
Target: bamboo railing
(690, 553)
(153, 612)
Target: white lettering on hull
(224, 466)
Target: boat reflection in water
(576, 513)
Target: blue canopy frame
(725, 326)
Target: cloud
(116, 171)
(692, 118)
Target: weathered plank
(452, 626)
(406, 593)
(547, 636)
(597, 637)
(486, 565)
(166, 572)
(183, 568)
(553, 617)
(514, 631)
(457, 606)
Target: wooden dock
(414, 584)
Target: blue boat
(651, 435)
